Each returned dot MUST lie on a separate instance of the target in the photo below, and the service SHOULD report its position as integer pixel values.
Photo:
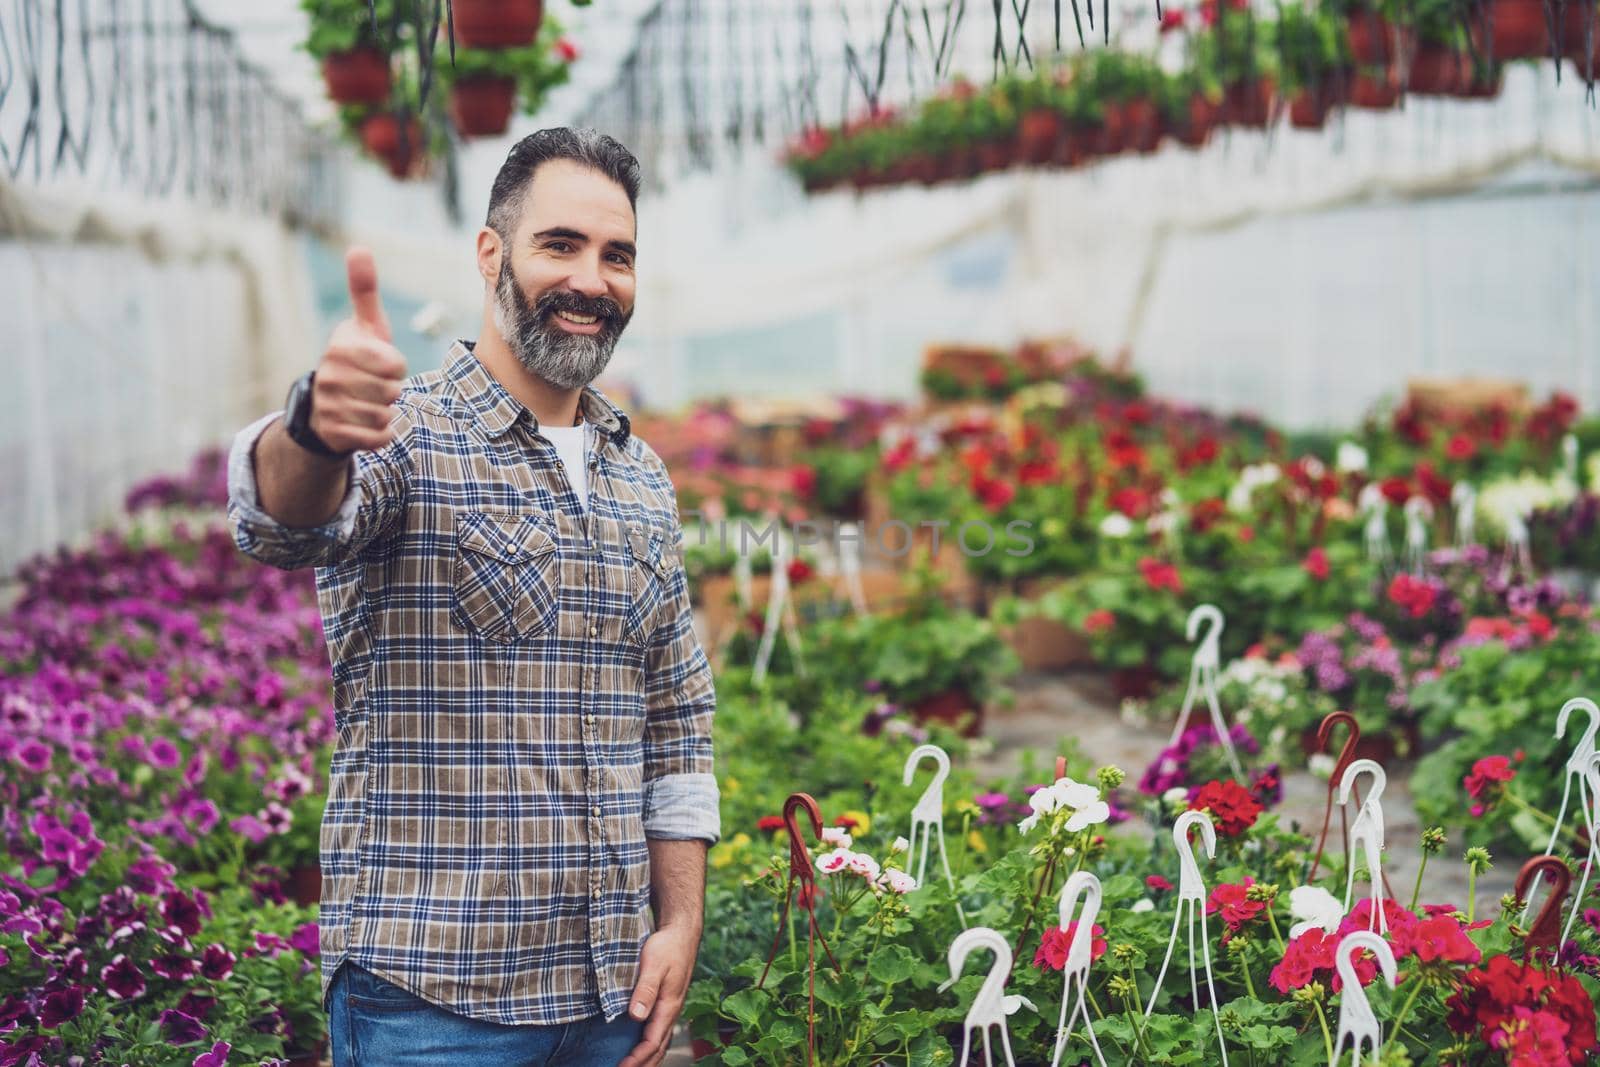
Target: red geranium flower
(770, 823)
(1233, 903)
(1158, 883)
(567, 50)
(1098, 620)
(1172, 19)
(1303, 957)
(1057, 940)
(1207, 513)
(993, 493)
(1415, 596)
(1461, 447)
(1233, 808)
(1316, 563)
(1158, 575)
(1441, 937)
(1396, 490)
(1131, 501)
(799, 571)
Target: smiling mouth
(576, 319)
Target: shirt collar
(497, 410)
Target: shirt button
(511, 549)
(596, 893)
(588, 720)
(596, 810)
(594, 631)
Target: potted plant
(1041, 121)
(1192, 101)
(394, 138)
(496, 23)
(992, 128)
(1237, 52)
(1310, 53)
(1373, 36)
(484, 83)
(344, 38)
(1515, 29)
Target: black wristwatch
(297, 419)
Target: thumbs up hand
(361, 372)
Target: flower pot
(380, 135)
(924, 168)
(496, 23)
(1141, 125)
(1249, 103)
(1374, 90)
(1580, 38)
(1483, 88)
(1072, 147)
(1308, 110)
(1517, 29)
(1135, 683)
(995, 155)
(950, 707)
(1371, 39)
(1438, 71)
(359, 76)
(1200, 121)
(1037, 135)
(1109, 140)
(480, 104)
(305, 885)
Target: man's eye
(559, 246)
(619, 258)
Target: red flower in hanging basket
(1172, 19)
(567, 50)
(769, 823)
(1461, 447)
(799, 571)
(1316, 563)
(1158, 575)
(1098, 620)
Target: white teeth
(582, 320)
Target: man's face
(566, 283)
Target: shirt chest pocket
(650, 571)
(507, 581)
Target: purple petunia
(35, 755)
(122, 978)
(175, 966)
(306, 939)
(181, 910)
(216, 963)
(62, 1006)
(163, 754)
(216, 1057)
(181, 1028)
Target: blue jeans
(374, 1023)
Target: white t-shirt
(569, 447)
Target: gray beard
(565, 360)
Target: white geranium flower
(899, 881)
(1315, 908)
(1351, 458)
(1116, 525)
(1176, 795)
(835, 861)
(900, 845)
(1321, 765)
(1144, 905)
(865, 866)
(1089, 815)
(835, 835)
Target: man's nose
(586, 280)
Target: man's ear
(490, 249)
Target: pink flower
(163, 754)
(35, 755)
(566, 50)
(1156, 882)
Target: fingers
(652, 1046)
(362, 274)
(358, 380)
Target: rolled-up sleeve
(681, 795)
(375, 494)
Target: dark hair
(588, 147)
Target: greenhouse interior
(1089, 554)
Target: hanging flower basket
(358, 76)
(1037, 134)
(1249, 103)
(496, 23)
(1200, 120)
(1142, 129)
(1374, 90)
(480, 106)
(995, 155)
(1517, 29)
(380, 135)
(1437, 70)
(1308, 110)
(1580, 38)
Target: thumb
(646, 988)
(362, 274)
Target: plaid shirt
(520, 701)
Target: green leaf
(747, 1005)
(892, 964)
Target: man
(522, 771)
